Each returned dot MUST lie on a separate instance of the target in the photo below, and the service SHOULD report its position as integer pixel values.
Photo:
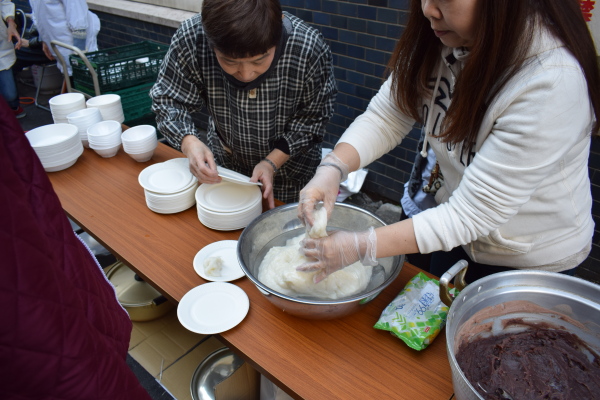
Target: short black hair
(242, 28)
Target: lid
(130, 292)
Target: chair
(41, 82)
(22, 21)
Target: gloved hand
(338, 250)
(202, 161)
(263, 172)
(324, 186)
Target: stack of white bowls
(110, 106)
(169, 187)
(228, 205)
(83, 119)
(139, 142)
(104, 138)
(64, 104)
(57, 145)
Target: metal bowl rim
(345, 300)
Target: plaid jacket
(293, 102)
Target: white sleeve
(379, 129)
(7, 9)
(535, 146)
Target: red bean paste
(535, 364)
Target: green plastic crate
(119, 67)
(136, 101)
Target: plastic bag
(416, 315)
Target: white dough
(278, 271)
(213, 265)
(319, 228)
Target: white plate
(227, 250)
(227, 197)
(235, 177)
(164, 178)
(214, 307)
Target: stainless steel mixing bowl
(276, 226)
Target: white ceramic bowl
(52, 136)
(85, 116)
(67, 101)
(104, 135)
(139, 133)
(104, 100)
(141, 157)
(110, 106)
(108, 152)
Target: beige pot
(141, 300)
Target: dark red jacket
(63, 334)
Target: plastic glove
(202, 161)
(324, 186)
(338, 250)
(263, 172)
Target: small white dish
(213, 308)
(235, 177)
(227, 196)
(227, 250)
(165, 178)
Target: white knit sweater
(522, 198)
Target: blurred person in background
(9, 41)
(67, 21)
(31, 51)
(509, 94)
(266, 79)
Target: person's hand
(338, 250)
(324, 186)
(202, 161)
(24, 42)
(47, 52)
(263, 172)
(12, 33)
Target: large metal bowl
(276, 226)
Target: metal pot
(276, 226)
(549, 290)
(142, 301)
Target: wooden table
(342, 359)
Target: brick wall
(361, 34)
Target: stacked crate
(129, 71)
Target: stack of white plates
(104, 138)
(227, 205)
(57, 145)
(139, 142)
(64, 104)
(169, 186)
(83, 119)
(110, 106)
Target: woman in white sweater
(509, 108)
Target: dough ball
(213, 266)
(319, 228)
(278, 271)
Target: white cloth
(7, 48)
(59, 19)
(524, 200)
